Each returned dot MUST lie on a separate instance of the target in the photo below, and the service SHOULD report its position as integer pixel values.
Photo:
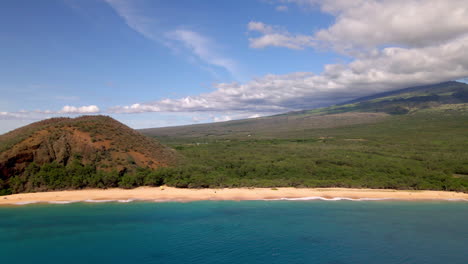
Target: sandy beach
(184, 195)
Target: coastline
(166, 194)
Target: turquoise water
(236, 232)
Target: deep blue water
(236, 232)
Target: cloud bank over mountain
(391, 45)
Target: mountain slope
(271, 126)
(97, 141)
(445, 88)
(404, 101)
(371, 109)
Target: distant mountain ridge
(451, 86)
(373, 108)
(406, 100)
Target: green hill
(88, 151)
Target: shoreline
(167, 194)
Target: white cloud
(364, 24)
(260, 27)
(90, 109)
(382, 70)
(24, 115)
(134, 18)
(41, 114)
(277, 37)
(255, 116)
(9, 115)
(396, 51)
(222, 118)
(408, 23)
(204, 49)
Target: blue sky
(162, 63)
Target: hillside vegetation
(340, 146)
(89, 151)
(417, 151)
(272, 126)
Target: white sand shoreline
(167, 194)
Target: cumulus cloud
(381, 70)
(408, 23)
(260, 27)
(261, 95)
(275, 36)
(90, 109)
(391, 44)
(363, 24)
(222, 118)
(10, 115)
(41, 114)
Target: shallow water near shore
(236, 232)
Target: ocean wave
(27, 202)
(62, 202)
(126, 201)
(358, 199)
(109, 201)
(99, 201)
(457, 200)
(327, 199)
(76, 201)
(275, 199)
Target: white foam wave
(126, 201)
(99, 201)
(76, 201)
(62, 202)
(108, 201)
(276, 199)
(458, 200)
(27, 202)
(327, 199)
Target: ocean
(316, 231)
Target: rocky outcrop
(97, 140)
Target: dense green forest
(54, 176)
(425, 150)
